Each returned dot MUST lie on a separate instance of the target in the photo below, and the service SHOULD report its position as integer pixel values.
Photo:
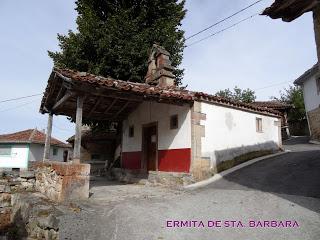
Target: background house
(310, 82)
(20, 148)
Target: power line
(14, 99)
(274, 85)
(224, 29)
(215, 24)
(63, 129)
(19, 106)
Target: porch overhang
(104, 98)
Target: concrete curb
(314, 142)
(220, 175)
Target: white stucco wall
(17, 159)
(231, 132)
(311, 97)
(149, 112)
(37, 150)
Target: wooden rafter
(110, 106)
(107, 93)
(67, 95)
(95, 106)
(61, 92)
(121, 109)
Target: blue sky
(262, 54)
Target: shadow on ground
(294, 176)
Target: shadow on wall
(230, 157)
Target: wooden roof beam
(95, 106)
(105, 92)
(67, 95)
(121, 109)
(110, 106)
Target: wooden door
(149, 147)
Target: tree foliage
(294, 96)
(246, 95)
(114, 37)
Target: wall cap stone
(66, 169)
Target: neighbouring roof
(289, 10)
(30, 136)
(88, 135)
(101, 94)
(309, 73)
(273, 105)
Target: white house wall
(17, 159)
(174, 145)
(149, 112)
(311, 97)
(230, 132)
(37, 150)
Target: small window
(131, 131)
(55, 151)
(5, 151)
(259, 124)
(174, 124)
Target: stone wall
(170, 179)
(314, 123)
(28, 214)
(63, 181)
(10, 184)
(34, 217)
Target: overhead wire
(14, 99)
(19, 106)
(224, 19)
(222, 30)
(274, 85)
(63, 129)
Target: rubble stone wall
(61, 181)
(314, 121)
(28, 199)
(11, 183)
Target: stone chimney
(160, 71)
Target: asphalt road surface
(277, 198)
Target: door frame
(143, 147)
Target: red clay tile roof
(30, 136)
(147, 91)
(272, 104)
(289, 10)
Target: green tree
(114, 37)
(294, 96)
(246, 95)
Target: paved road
(285, 187)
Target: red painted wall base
(174, 160)
(131, 160)
(171, 160)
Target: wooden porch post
(316, 23)
(77, 137)
(46, 155)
